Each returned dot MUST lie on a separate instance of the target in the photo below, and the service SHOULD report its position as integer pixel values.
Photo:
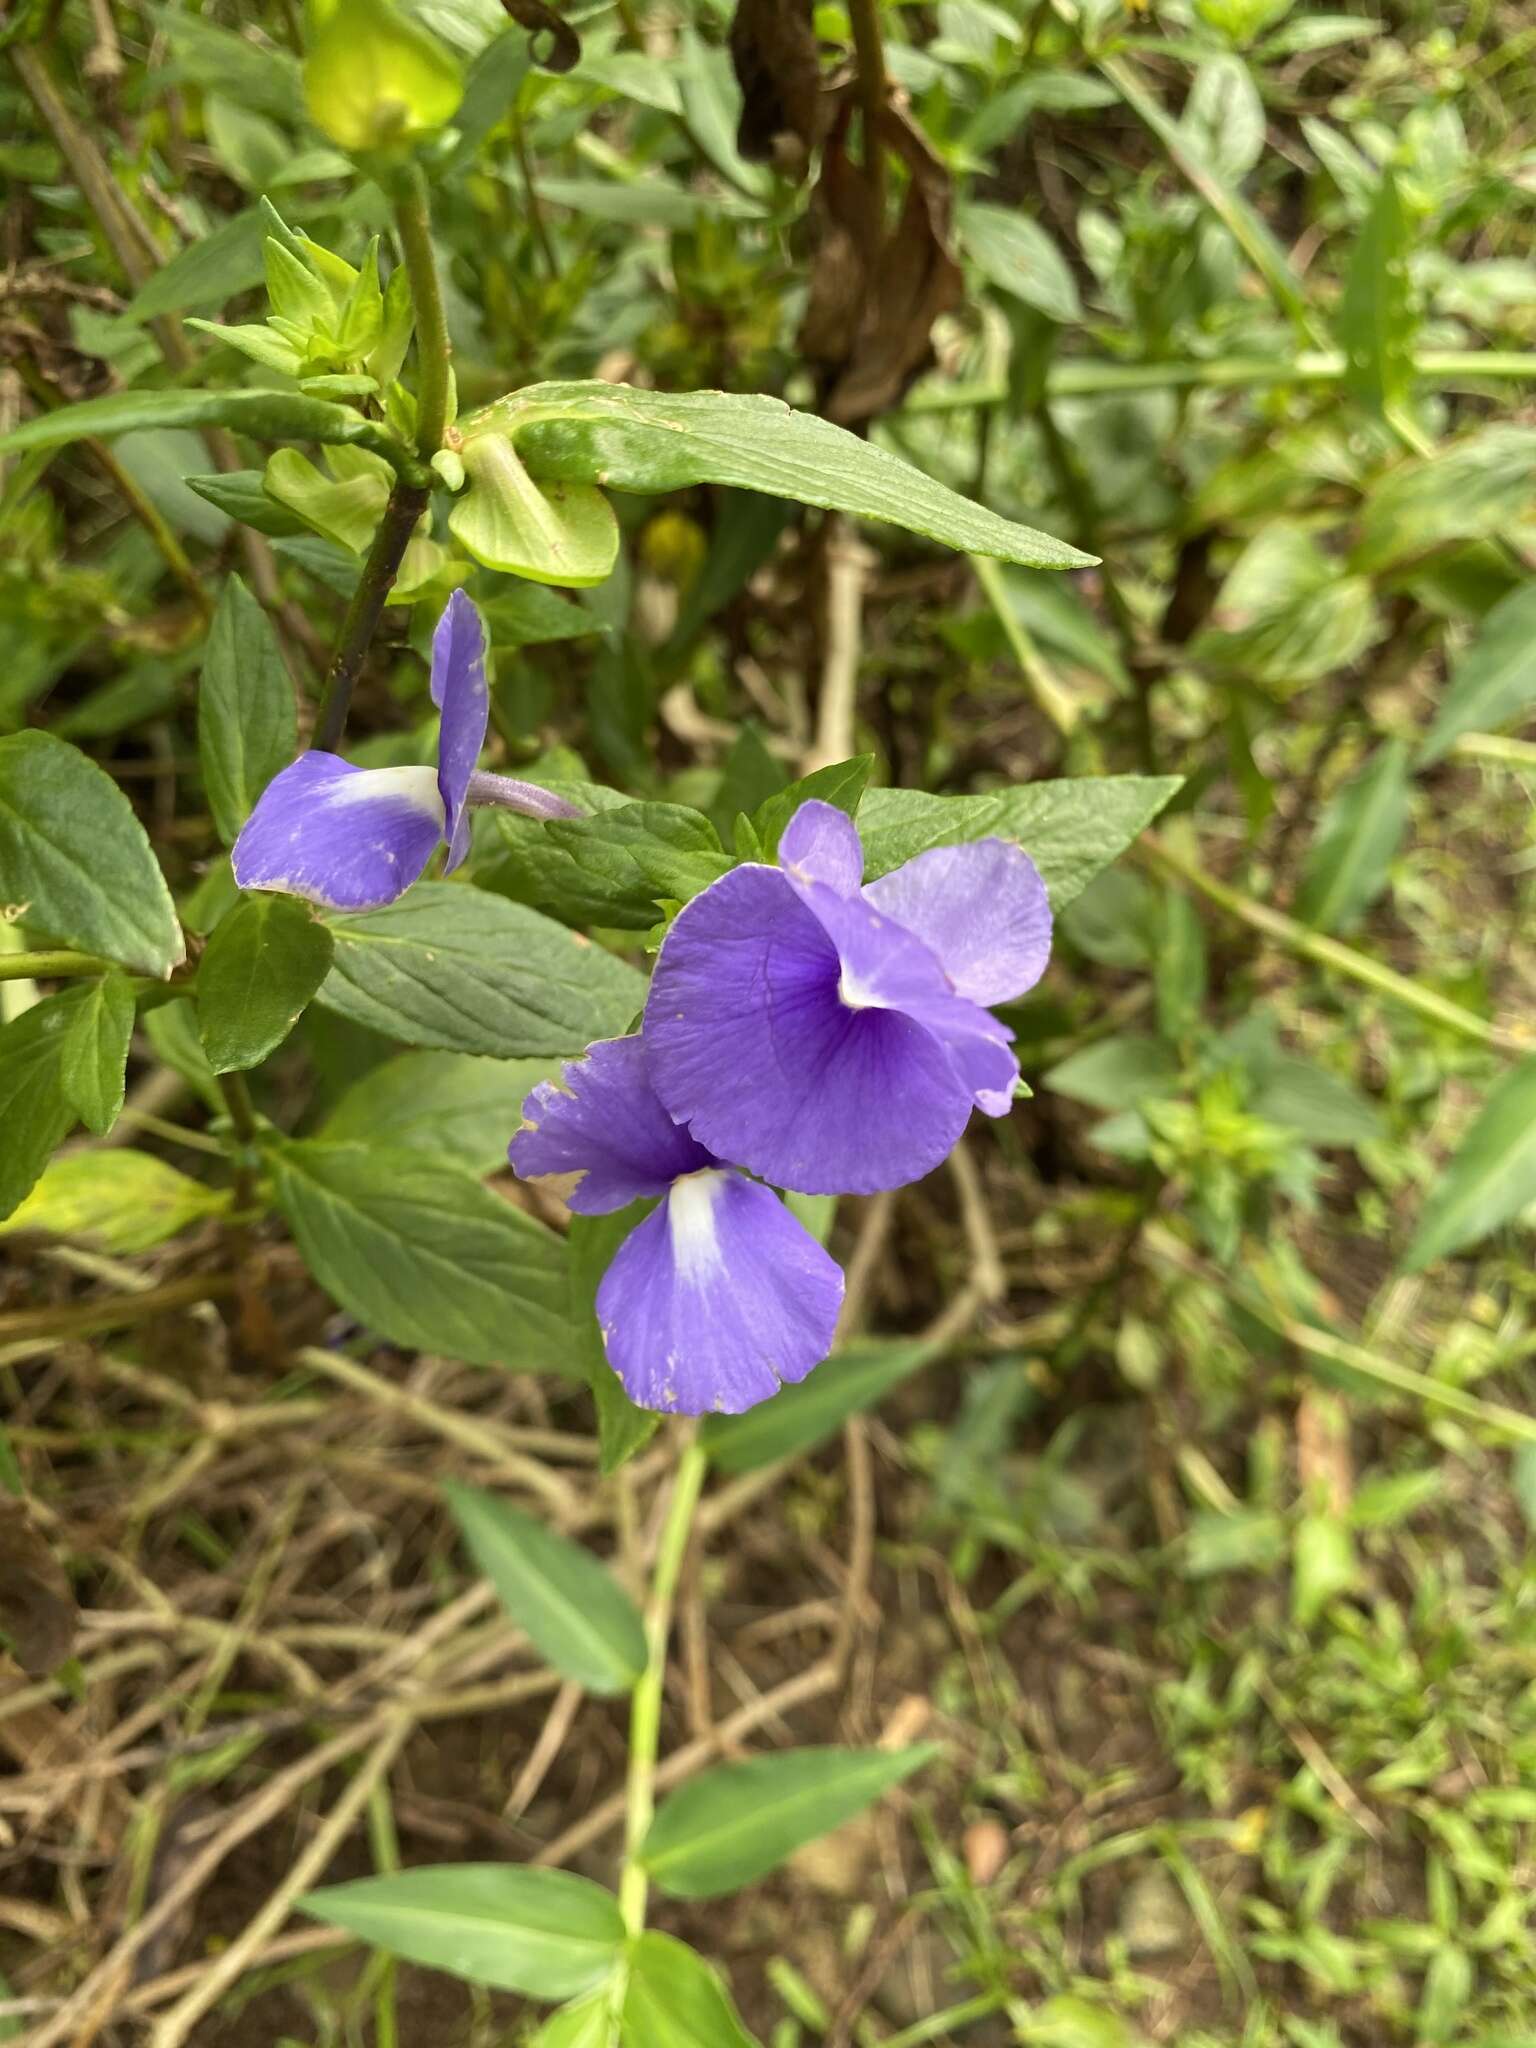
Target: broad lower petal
(348, 838)
(717, 1299)
(459, 691)
(982, 909)
(752, 1045)
(607, 1124)
(821, 844)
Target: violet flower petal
(717, 1298)
(751, 1044)
(981, 909)
(460, 692)
(610, 1128)
(821, 844)
(348, 838)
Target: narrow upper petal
(756, 1045)
(348, 838)
(821, 844)
(460, 692)
(982, 909)
(717, 1298)
(608, 1125)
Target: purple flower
(833, 1037)
(356, 838)
(719, 1296)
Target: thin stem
(56, 966)
(236, 1092)
(1492, 746)
(1326, 952)
(406, 504)
(413, 222)
(411, 495)
(1059, 706)
(645, 1708)
(1090, 377)
(869, 49)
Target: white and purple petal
(981, 909)
(607, 1125)
(344, 837)
(821, 844)
(777, 1061)
(717, 1299)
(460, 692)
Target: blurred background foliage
(1202, 1535)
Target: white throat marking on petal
(854, 997)
(414, 786)
(691, 1221)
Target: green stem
(1090, 377)
(1326, 952)
(56, 966)
(406, 504)
(1230, 208)
(236, 1092)
(1059, 706)
(1492, 746)
(645, 1707)
(413, 222)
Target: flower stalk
(645, 1706)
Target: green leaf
(545, 1933)
(1346, 867)
(1473, 489)
(800, 1417)
(241, 494)
(1179, 968)
(1494, 681)
(1118, 1073)
(458, 1107)
(247, 725)
(265, 960)
(842, 785)
(72, 852)
(268, 415)
(676, 2000)
(590, 2023)
(207, 272)
(426, 1256)
(614, 869)
(125, 1202)
(93, 1056)
(1070, 829)
(732, 1825)
(1224, 116)
(1017, 256)
(35, 1113)
(632, 440)
(455, 967)
(1323, 1565)
(1376, 326)
(1316, 1105)
(577, 1616)
(1491, 1178)
(559, 532)
(344, 509)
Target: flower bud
(373, 79)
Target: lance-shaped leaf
(1494, 681)
(545, 1933)
(93, 1055)
(247, 725)
(576, 1614)
(268, 415)
(733, 1824)
(1492, 1177)
(631, 440)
